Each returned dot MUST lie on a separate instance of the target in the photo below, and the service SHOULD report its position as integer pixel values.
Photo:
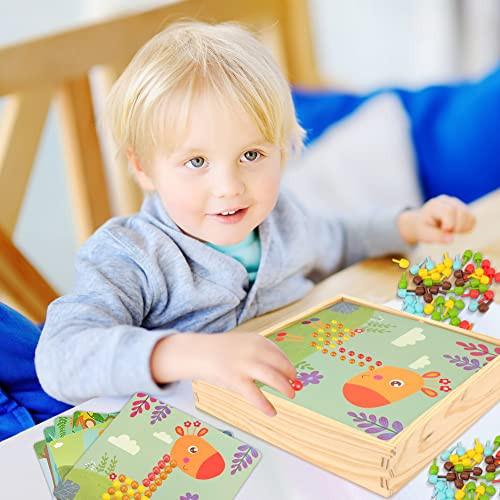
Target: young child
(207, 122)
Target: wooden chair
(35, 72)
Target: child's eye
(250, 156)
(195, 163)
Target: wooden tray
(435, 381)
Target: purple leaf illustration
(369, 424)
(397, 426)
(463, 361)
(160, 412)
(385, 436)
(243, 458)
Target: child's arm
(92, 343)
(337, 242)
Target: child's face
(224, 164)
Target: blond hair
(149, 104)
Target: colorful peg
(402, 263)
(403, 282)
(466, 257)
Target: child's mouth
(231, 217)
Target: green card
(151, 449)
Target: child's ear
(140, 174)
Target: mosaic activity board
(378, 392)
(149, 450)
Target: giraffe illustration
(190, 453)
(386, 385)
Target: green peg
(496, 442)
(466, 257)
(453, 312)
(483, 288)
(477, 258)
(428, 282)
(490, 490)
(455, 321)
(489, 476)
(459, 304)
(439, 301)
(403, 282)
(434, 469)
(471, 486)
(436, 316)
(459, 290)
(474, 283)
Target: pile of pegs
(440, 289)
(465, 476)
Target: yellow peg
(403, 263)
(423, 273)
(428, 309)
(478, 447)
(435, 276)
(440, 267)
(446, 260)
(447, 306)
(447, 272)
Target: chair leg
(22, 282)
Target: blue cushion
(454, 131)
(22, 400)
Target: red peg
(489, 295)
(486, 264)
(474, 293)
(490, 272)
(469, 268)
(497, 278)
(465, 324)
(296, 385)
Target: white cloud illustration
(411, 337)
(421, 362)
(58, 444)
(163, 436)
(125, 443)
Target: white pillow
(363, 162)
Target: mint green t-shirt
(247, 252)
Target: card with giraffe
(374, 370)
(151, 449)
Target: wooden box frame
(383, 467)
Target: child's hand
(230, 360)
(436, 221)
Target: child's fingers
(444, 214)
(273, 378)
(465, 221)
(277, 359)
(433, 234)
(255, 397)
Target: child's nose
(228, 183)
